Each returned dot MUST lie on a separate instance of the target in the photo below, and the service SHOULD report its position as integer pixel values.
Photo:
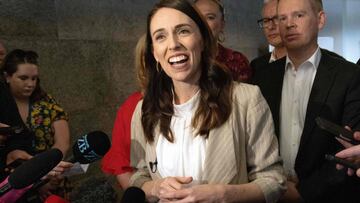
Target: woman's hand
(197, 193)
(60, 169)
(169, 184)
(17, 154)
(155, 188)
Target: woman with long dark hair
(197, 136)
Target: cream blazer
(244, 149)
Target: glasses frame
(274, 21)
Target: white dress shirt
(186, 156)
(296, 91)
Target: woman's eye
(184, 31)
(159, 37)
(211, 17)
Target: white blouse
(186, 156)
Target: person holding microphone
(26, 104)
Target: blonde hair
(140, 63)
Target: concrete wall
(86, 49)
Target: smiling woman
(194, 125)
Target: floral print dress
(42, 114)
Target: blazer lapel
(323, 82)
(272, 91)
(220, 162)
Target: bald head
(2, 52)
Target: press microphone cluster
(28, 173)
(87, 149)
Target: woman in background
(41, 115)
(214, 14)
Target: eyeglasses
(267, 22)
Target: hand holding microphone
(28, 173)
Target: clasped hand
(183, 190)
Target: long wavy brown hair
(215, 83)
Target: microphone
(11, 130)
(133, 195)
(87, 149)
(90, 147)
(27, 173)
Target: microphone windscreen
(35, 168)
(91, 147)
(133, 195)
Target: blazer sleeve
(138, 151)
(263, 159)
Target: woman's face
(213, 16)
(177, 45)
(23, 82)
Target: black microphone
(32, 170)
(13, 130)
(90, 147)
(133, 195)
(87, 149)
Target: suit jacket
(239, 151)
(335, 95)
(259, 62)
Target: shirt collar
(272, 57)
(314, 60)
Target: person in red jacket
(117, 160)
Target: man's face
(271, 28)
(2, 53)
(299, 24)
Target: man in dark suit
(305, 84)
(269, 24)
